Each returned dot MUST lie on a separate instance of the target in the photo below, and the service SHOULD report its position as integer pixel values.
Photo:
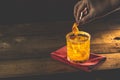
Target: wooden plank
(112, 62)
(27, 67)
(46, 66)
(25, 48)
(33, 40)
(29, 40)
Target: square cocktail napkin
(88, 66)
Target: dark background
(36, 10)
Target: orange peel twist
(75, 29)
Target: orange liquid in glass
(78, 46)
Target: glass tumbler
(78, 46)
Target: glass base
(75, 61)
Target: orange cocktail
(78, 45)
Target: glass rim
(80, 32)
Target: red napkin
(87, 66)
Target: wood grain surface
(25, 48)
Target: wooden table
(25, 48)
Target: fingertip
(80, 22)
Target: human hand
(93, 9)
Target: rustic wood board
(25, 48)
(46, 66)
(23, 40)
